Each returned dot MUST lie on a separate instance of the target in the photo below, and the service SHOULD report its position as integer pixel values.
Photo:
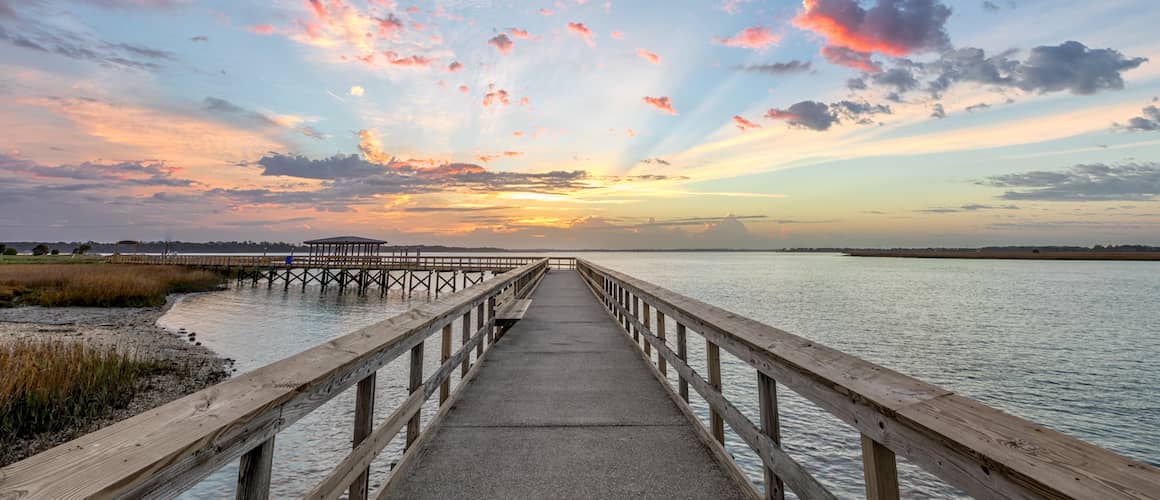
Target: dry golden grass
(99, 285)
(51, 385)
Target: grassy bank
(988, 254)
(46, 386)
(99, 285)
(51, 259)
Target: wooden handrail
(165, 451)
(396, 261)
(982, 450)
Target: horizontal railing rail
(983, 451)
(391, 261)
(162, 452)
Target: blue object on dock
(288, 259)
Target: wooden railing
(983, 451)
(162, 452)
(391, 261)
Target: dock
(564, 407)
(575, 382)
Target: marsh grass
(47, 386)
(99, 285)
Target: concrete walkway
(565, 408)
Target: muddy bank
(129, 330)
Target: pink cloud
(319, 9)
(463, 88)
(662, 103)
(499, 97)
(519, 33)
(891, 28)
(851, 58)
(582, 31)
(545, 12)
(525, 102)
(757, 37)
(743, 124)
(411, 61)
(648, 56)
(780, 114)
(413, 10)
(261, 29)
(518, 133)
(389, 26)
(618, 35)
(454, 66)
(416, 26)
(502, 43)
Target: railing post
(444, 355)
(364, 412)
(466, 336)
(713, 356)
(683, 353)
(770, 426)
(479, 326)
(254, 472)
(880, 470)
(648, 328)
(661, 362)
(635, 317)
(491, 316)
(414, 385)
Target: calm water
(1072, 345)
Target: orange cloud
(261, 29)
(618, 35)
(502, 43)
(319, 9)
(662, 103)
(891, 28)
(463, 88)
(389, 26)
(519, 33)
(495, 97)
(743, 124)
(525, 101)
(582, 31)
(780, 114)
(648, 56)
(757, 37)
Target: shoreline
(133, 329)
(962, 254)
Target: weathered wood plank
(770, 426)
(444, 355)
(364, 413)
(879, 470)
(415, 384)
(254, 472)
(713, 357)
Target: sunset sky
(582, 123)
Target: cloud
(519, 33)
(648, 56)
(742, 124)
(261, 29)
(656, 161)
(662, 103)
(731, 6)
(582, 31)
(356, 91)
(1149, 122)
(413, 61)
(32, 35)
(991, 6)
(464, 89)
(820, 117)
(970, 207)
(1083, 182)
(89, 175)
(778, 68)
(228, 109)
(850, 58)
(617, 35)
(389, 26)
(545, 12)
(335, 167)
(1070, 66)
(494, 97)
(199, 38)
(892, 27)
(454, 66)
(937, 111)
(977, 107)
(502, 43)
(756, 37)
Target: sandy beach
(129, 330)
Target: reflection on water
(1071, 345)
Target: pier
(575, 382)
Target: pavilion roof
(349, 240)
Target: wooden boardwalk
(564, 407)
